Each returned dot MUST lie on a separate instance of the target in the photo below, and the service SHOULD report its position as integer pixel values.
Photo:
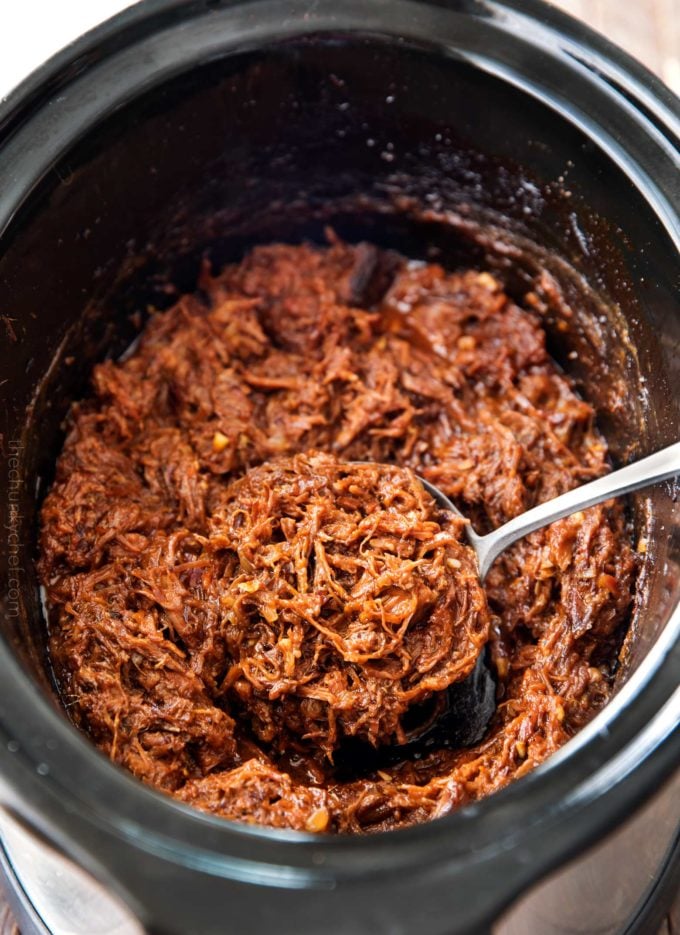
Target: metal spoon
(469, 706)
(650, 470)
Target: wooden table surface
(649, 30)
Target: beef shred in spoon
(352, 600)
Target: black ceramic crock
(490, 133)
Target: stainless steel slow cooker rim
(218, 828)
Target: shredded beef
(231, 597)
(348, 602)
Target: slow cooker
(489, 132)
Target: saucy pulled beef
(346, 600)
(230, 599)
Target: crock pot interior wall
(391, 144)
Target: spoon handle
(656, 467)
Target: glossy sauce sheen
(231, 602)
